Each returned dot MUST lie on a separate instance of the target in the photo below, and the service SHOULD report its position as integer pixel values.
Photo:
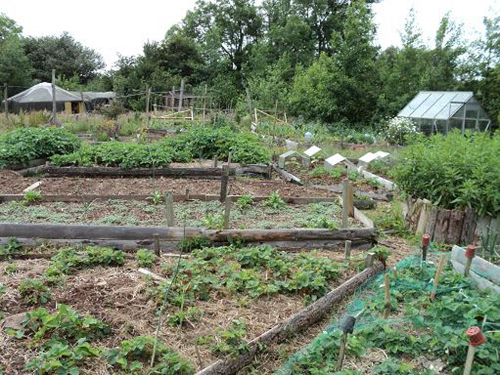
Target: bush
(25, 144)
(453, 171)
(399, 130)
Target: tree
(64, 54)
(15, 69)
(343, 87)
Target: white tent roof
(43, 93)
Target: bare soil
(13, 183)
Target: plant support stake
(436, 278)
(156, 238)
(425, 246)
(347, 250)
(227, 212)
(476, 338)
(470, 253)
(169, 208)
(347, 327)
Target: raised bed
(129, 238)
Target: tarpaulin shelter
(39, 97)
(443, 111)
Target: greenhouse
(441, 112)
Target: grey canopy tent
(39, 97)
(94, 99)
(443, 111)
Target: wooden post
(83, 102)
(387, 298)
(347, 251)
(154, 109)
(181, 96)
(229, 158)
(148, 96)
(425, 245)
(256, 119)
(172, 103)
(54, 108)
(350, 200)
(227, 212)
(169, 208)
(224, 182)
(205, 102)
(369, 260)
(343, 342)
(5, 102)
(345, 203)
(156, 238)
(395, 272)
(470, 253)
(215, 162)
(436, 278)
(249, 102)
(186, 194)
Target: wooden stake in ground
(181, 95)
(169, 209)
(442, 260)
(425, 245)
(347, 327)
(345, 203)
(370, 257)
(205, 103)
(347, 251)
(387, 297)
(148, 96)
(224, 182)
(470, 253)
(395, 272)
(156, 238)
(227, 212)
(215, 162)
(476, 338)
(54, 108)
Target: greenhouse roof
(440, 105)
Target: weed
(193, 243)
(10, 268)
(373, 182)
(354, 176)
(11, 248)
(34, 292)
(323, 222)
(156, 197)
(181, 318)
(274, 201)
(31, 197)
(244, 202)
(214, 221)
(392, 220)
(145, 258)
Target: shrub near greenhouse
(454, 171)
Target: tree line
(316, 58)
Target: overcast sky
(122, 27)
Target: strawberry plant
(34, 292)
(274, 201)
(145, 258)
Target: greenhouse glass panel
(425, 106)
(414, 104)
(440, 105)
(470, 125)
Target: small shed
(444, 111)
(94, 99)
(39, 98)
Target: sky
(122, 27)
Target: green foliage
(335, 173)
(25, 144)
(392, 219)
(31, 197)
(10, 268)
(274, 201)
(133, 356)
(181, 318)
(12, 247)
(244, 202)
(214, 221)
(323, 222)
(490, 242)
(156, 197)
(145, 258)
(193, 243)
(399, 130)
(199, 142)
(354, 176)
(68, 260)
(453, 171)
(61, 358)
(34, 292)
(417, 329)
(231, 341)
(254, 271)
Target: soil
(118, 296)
(13, 183)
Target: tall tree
(15, 69)
(63, 53)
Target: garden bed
(221, 299)
(208, 214)
(12, 183)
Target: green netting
(413, 328)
